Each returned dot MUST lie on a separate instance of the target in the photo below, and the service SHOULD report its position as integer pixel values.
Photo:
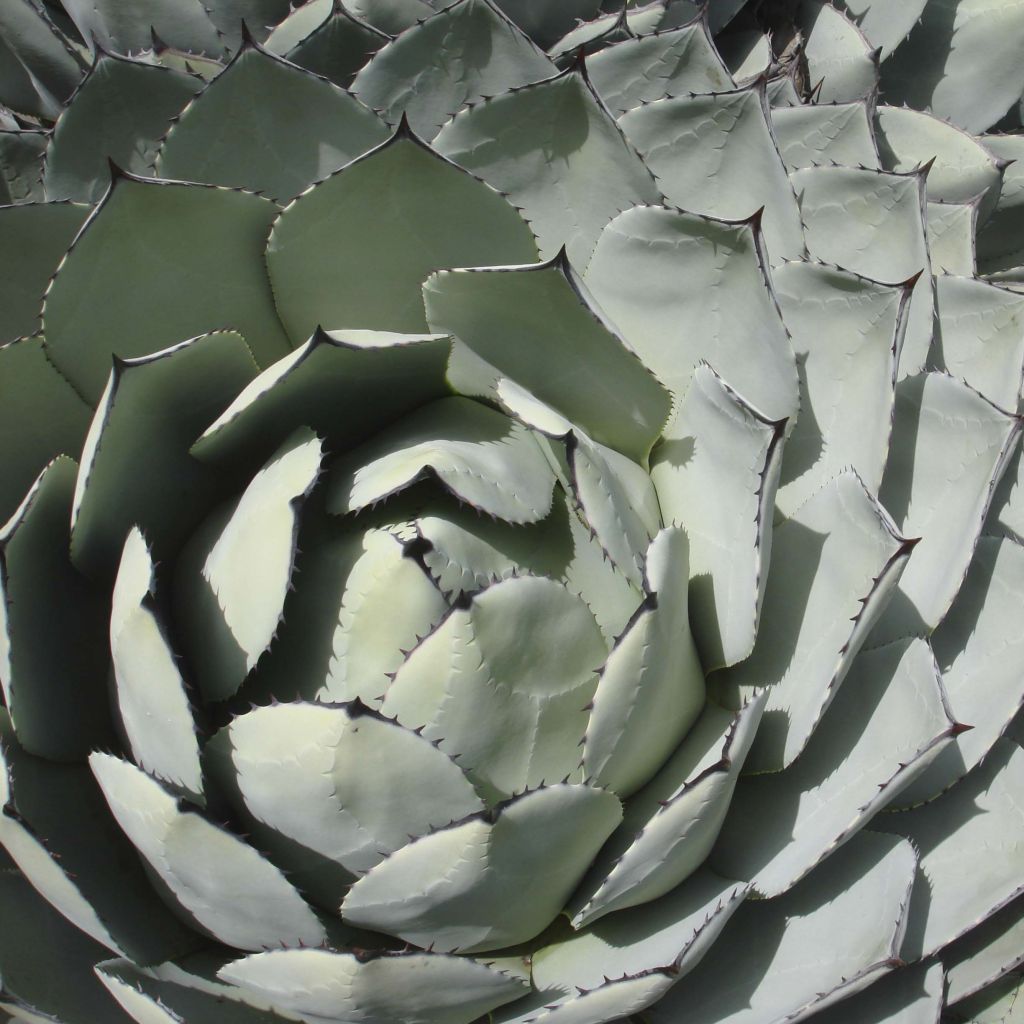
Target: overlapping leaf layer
(512, 512)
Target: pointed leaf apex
(959, 728)
(579, 64)
(924, 169)
(908, 284)
(248, 39)
(875, 56)
(1002, 163)
(159, 46)
(403, 129)
(754, 220)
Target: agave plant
(512, 512)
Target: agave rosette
(548, 546)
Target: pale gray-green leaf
(354, 250)
(556, 152)
(652, 685)
(136, 466)
(479, 886)
(150, 690)
(469, 50)
(670, 826)
(979, 337)
(983, 812)
(475, 688)
(120, 112)
(999, 239)
(242, 130)
(345, 385)
(658, 65)
(885, 24)
(233, 578)
(539, 326)
(485, 459)
(949, 448)
(716, 155)
(885, 726)
(129, 28)
(838, 55)
(784, 962)
(146, 246)
(232, 891)
(912, 995)
(835, 563)
(846, 332)
(873, 223)
(715, 473)
(414, 987)
(952, 229)
(812, 135)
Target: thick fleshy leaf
(979, 651)
(873, 223)
(53, 661)
(747, 54)
(685, 59)
(33, 239)
(41, 417)
(607, 31)
(838, 55)
(485, 459)
(913, 995)
(784, 962)
(715, 155)
(961, 62)
(259, 15)
(342, 783)
(979, 337)
(337, 47)
(962, 167)
(120, 112)
(999, 239)
(146, 246)
(242, 130)
(478, 885)
(683, 289)
(951, 237)
(129, 28)
(835, 563)
(232, 892)
(53, 64)
(150, 690)
(985, 953)
(467, 51)
(136, 467)
(659, 943)
(670, 826)
(417, 988)
(886, 725)
(885, 24)
(544, 22)
(236, 571)
(391, 16)
(475, 688)
(618, 501)
(539, 326)
(354, 249)
(810, 136)
(388, 604)
(715, 473)
(345, 385)
(57, 828)
(1000, 1003)
(982, 812)
(150, 998)
(556, 152)
(652, 685)
(949, 448)
(468, 551)
(21, 165)
(606, 592)
(846, 333)
(29, 951)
